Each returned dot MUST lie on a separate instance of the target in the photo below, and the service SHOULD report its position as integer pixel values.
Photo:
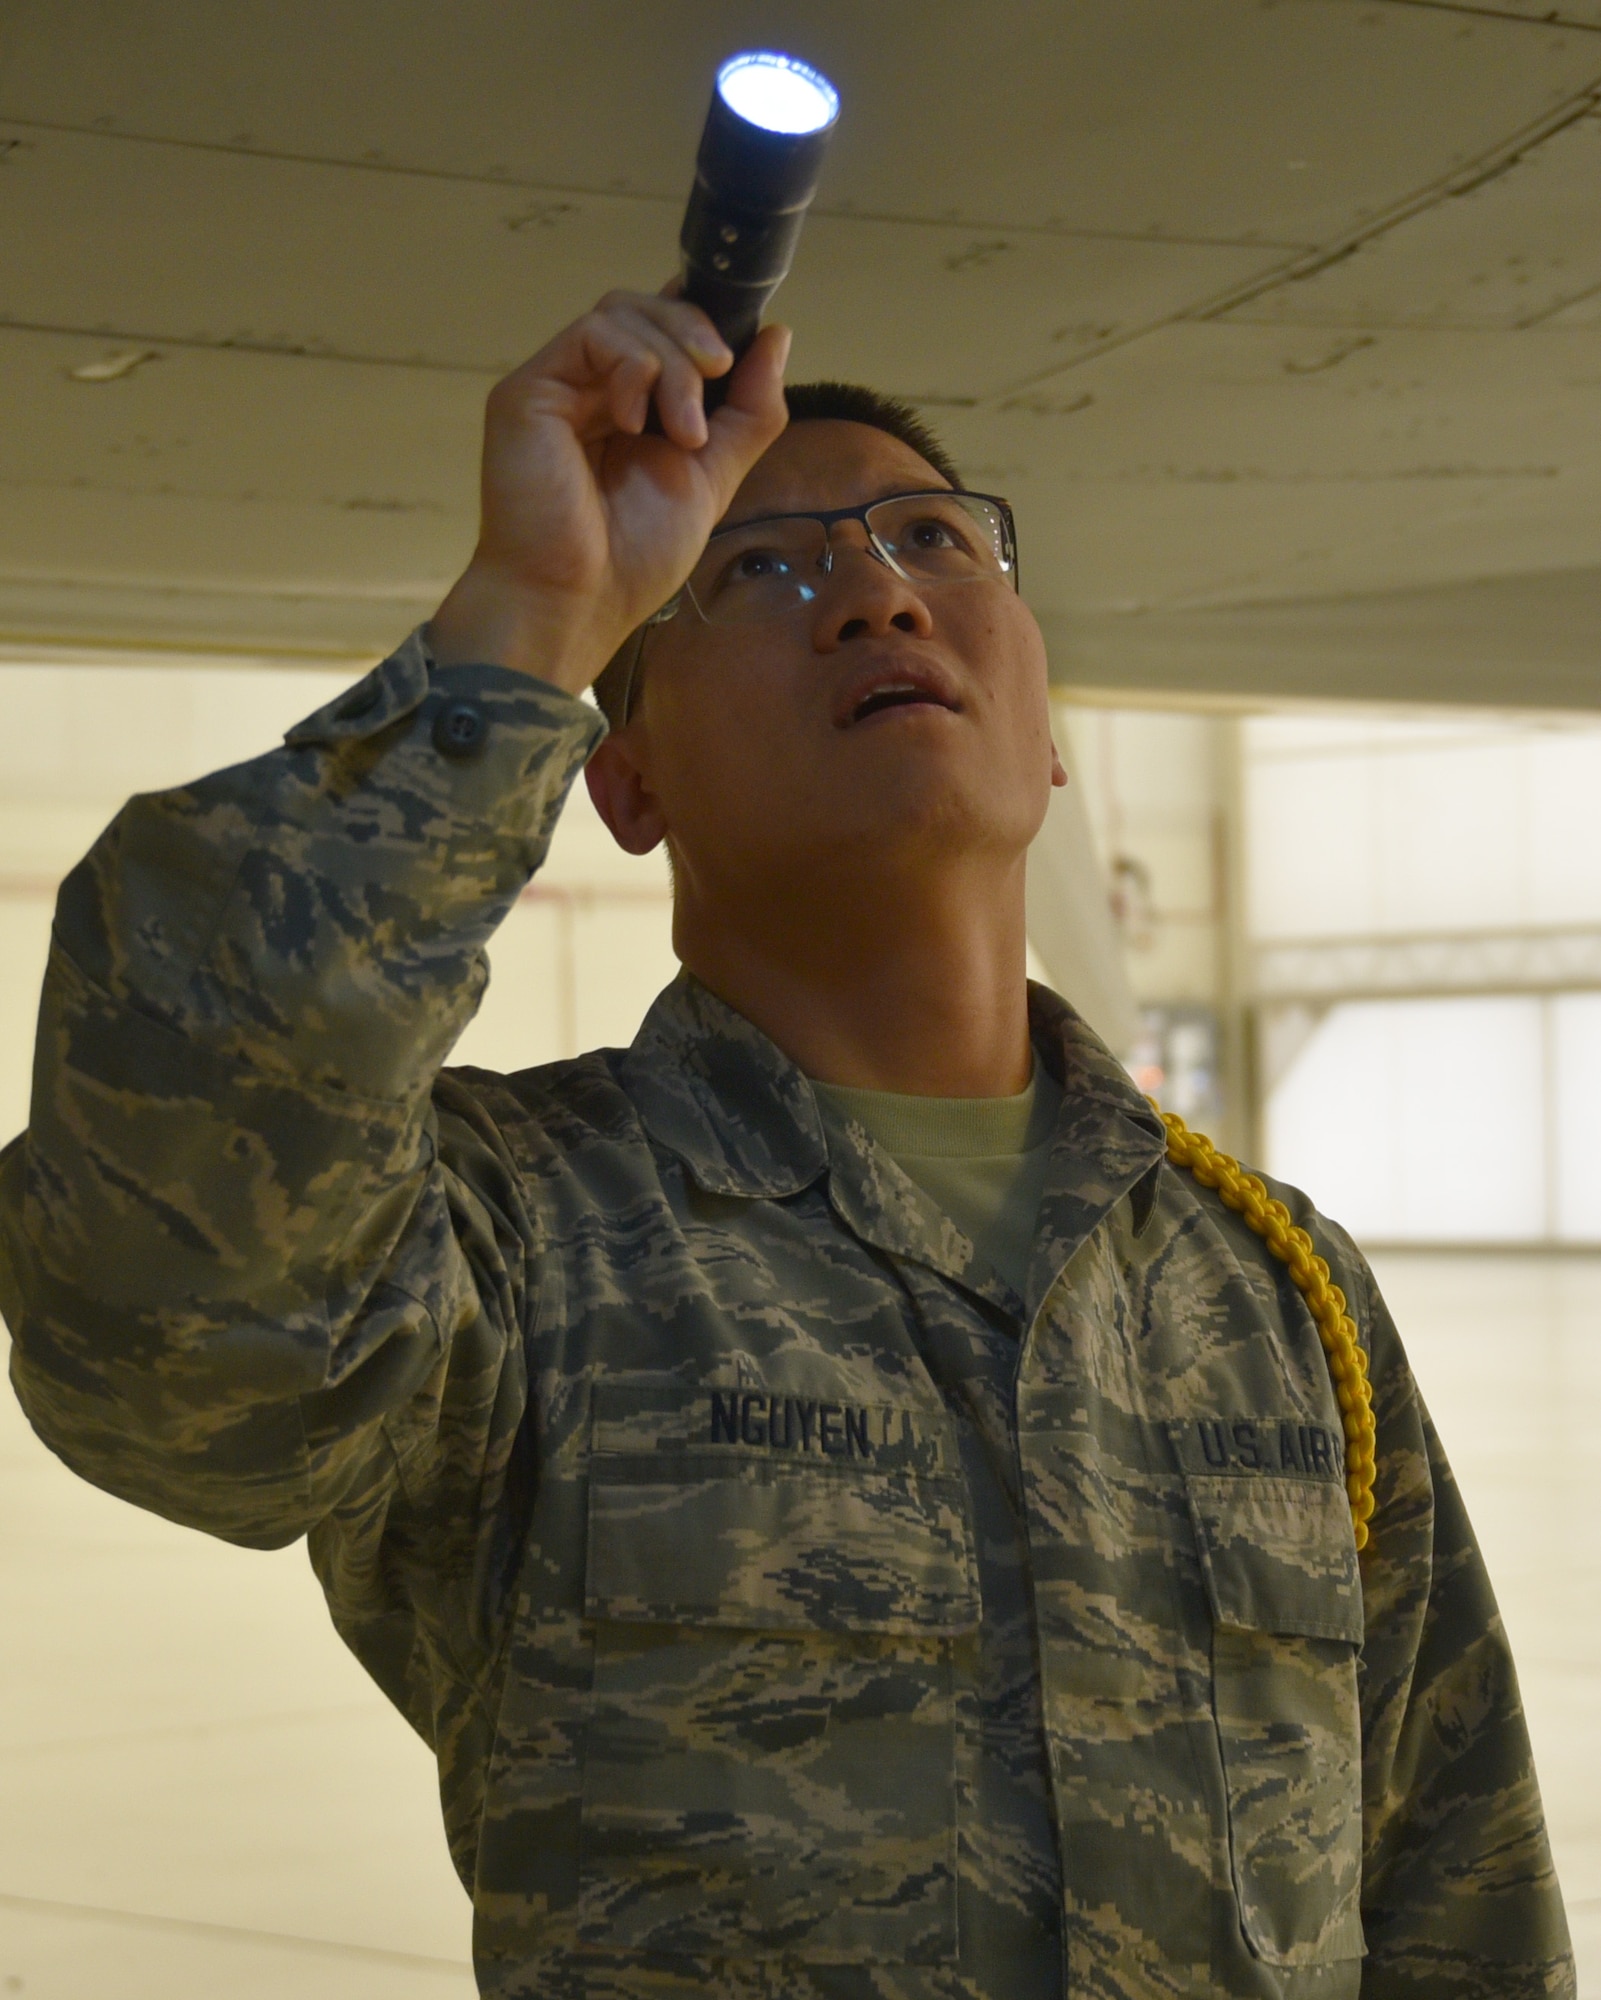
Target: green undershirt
(983, 1159)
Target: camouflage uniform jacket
(794, 1610)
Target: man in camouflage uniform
(798, 1605)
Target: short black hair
(808, 402)
(850, 403)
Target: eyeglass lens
(773, 567)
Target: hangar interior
(1279, 321)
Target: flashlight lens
(777, 92)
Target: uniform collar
(1108, 1141)
(715, 1091)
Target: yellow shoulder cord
(1248, 1198)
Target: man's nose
(863, 597)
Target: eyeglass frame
(826, 520)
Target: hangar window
(1423, 902)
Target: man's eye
(754, 565)
(930, 534)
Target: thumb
(751, 415)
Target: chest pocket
(778, 1588)
(1285, 1594)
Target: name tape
(789, 1423)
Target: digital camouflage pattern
(795, 1611)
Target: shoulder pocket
(769, 1767)
(1285, 1594)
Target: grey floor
(199, 1793)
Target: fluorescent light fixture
(776, 92)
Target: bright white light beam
(777, 92)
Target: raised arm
(231, 1250)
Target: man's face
(771, 762)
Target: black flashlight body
(752, 190)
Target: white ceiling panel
(1236, 461)
(954, 316)
(241, 427)
(1222, 404)
(42, 615)
(1278, 120)
(1569, 14)
(1507, 253)
(1523, 642)
(294, 256)
(1241, 548)
(303, 503)
(330, 223)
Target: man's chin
(916, 820)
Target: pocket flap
(1279, 1555)
(701, 1534)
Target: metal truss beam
(1521, 961)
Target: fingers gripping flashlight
(755, 174)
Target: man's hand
(589, 524)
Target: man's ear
(623, 798)
(1058, 768)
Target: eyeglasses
(766, 568)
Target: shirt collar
(713, 1089)
(1108, 1142)
(744, 1119)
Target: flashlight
(755, 174)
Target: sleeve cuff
(402, 684)
(475, 749)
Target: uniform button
(460, 728)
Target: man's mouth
(897, 690)
(895, 697)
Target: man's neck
(915, 986)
